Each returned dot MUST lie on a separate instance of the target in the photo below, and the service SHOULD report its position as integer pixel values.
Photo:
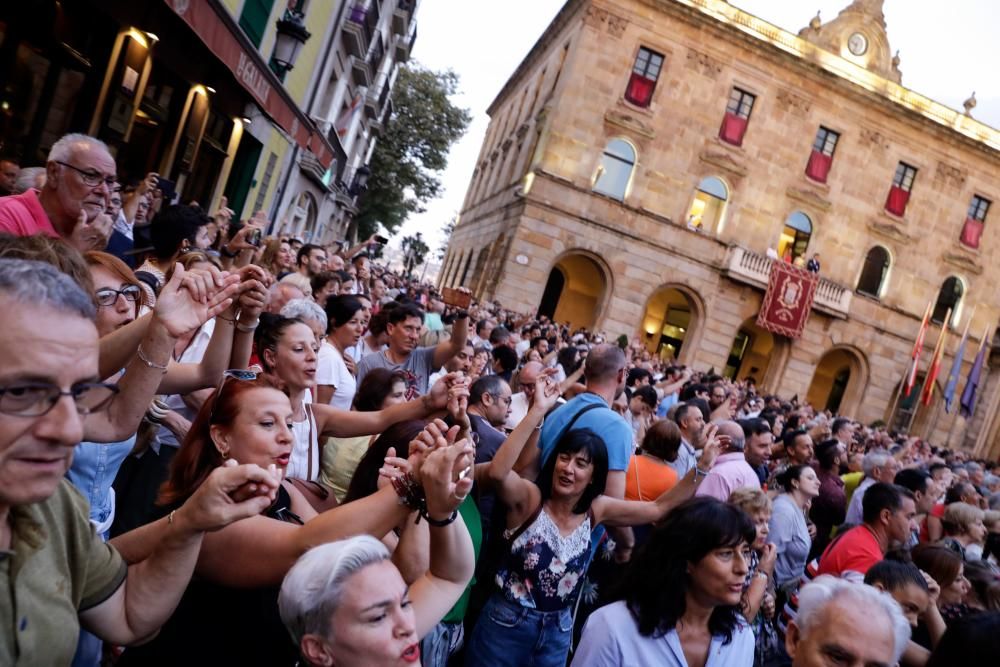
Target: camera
(381, 239)
(253, 236)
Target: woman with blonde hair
(758, 599)
(964, 530)
(277, 257)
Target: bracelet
(149, 364)
(226, 319)
(226, 252)
(699, 474)
(409, 491)
(247, 328)
(435, 522)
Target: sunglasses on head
(240, 374)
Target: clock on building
(857, 44)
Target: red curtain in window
(733, 129)
(972, 231)
(819, 166)
(640, 90)
(896, 202)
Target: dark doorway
(241, 176)
(550, 296)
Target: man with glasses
(56, 574)
(79, 178)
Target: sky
(947, 51)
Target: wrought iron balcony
(751, 268)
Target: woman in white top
(335, 381)
(682, 596)
(287, 348)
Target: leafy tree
(414, 251)
(413, 150)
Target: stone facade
(532, 210)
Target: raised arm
(447, 349)
(118, 347)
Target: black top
(218, 625)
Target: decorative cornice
(950, 176)
(809, 197)
(792, 103)
(723, 160)
(962, 261)
(703, 64)
(599, 17)
(629, 122)
(890, 230)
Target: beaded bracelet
(409, 491)
(150, 364)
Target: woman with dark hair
(829, 509)
(229, 613)
(680, 602)
(788, 530)
(968, 641)
(380, 389)
(948, 570)
(528, 620)
(335, 369)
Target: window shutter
(254, 17)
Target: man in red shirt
(79, 175)
(890, 513)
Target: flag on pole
(935, 368)
(918, 348)
(956, 368)
(343, 123)
(968, 403)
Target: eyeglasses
(107, 296)
(239, 374)
(91, 178)
(34, 399)
(506, 400)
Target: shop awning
(212, 23)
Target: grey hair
(27, 178)
(306, 310)
(874, 459)
(313, 587)
(825, 590)
(38, 283)
(298, 280)
(995, 501)
(63, 149)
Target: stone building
(649, 159)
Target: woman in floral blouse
(528, 620)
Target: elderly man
(731, 470)
(521, 401)
(80, 173)
(878, 466)
(849, 624)
(60, 575)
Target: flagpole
(975, 403)
(927, 394)
(954, 375)
(914, 359)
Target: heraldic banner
(788, 300)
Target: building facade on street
(649, 159)
(221, 97)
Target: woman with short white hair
(345, 603)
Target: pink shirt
(23, 215)
(730, 472)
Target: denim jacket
(94, 468)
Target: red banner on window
(819, 166)
(733, 129)
(897, 200)
(640, 90)
(972, 231)
(788, 300)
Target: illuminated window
(708, 206)
(645, 73)
(615, 170)
(795, 237)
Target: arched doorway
(575, 291)
(839, 381)
(670, 317)
(757, 354)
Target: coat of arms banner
(788, 300)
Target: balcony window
(874, 273)
(615, 171)
(821, 157)
(708, 206)
(975, 220)
(795, 237)
(899, 193)
(645, 73)
(949, 297)
(734, 123)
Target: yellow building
(649, 159)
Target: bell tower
(858, 34)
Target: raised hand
(445, 484)
(253, 293)
(712, 448)
(546, 393)
(437, 397)
(392, 468)
(91, 234)
(435, 435)
(230, 493)
(458, 405)
(191, 298)
(768, 557)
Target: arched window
(615, 170)
(303, 220)
(950, 296)
(795, 237)
(874, 272)
(708, 206)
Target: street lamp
(360, 183)
(292, 34)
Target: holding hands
(191, 298)
(230, 493)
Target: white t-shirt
(611, 638)
(192, 354)
(518, 410)
(304, 460)
(331, 370)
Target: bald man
(731, 470)
(521, 401)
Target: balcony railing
(754, 269)
(376, 97)
(360, 27)
(401, 16)
(404, 44)
(377, 53)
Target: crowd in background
(283, 451)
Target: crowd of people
(220, 446)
